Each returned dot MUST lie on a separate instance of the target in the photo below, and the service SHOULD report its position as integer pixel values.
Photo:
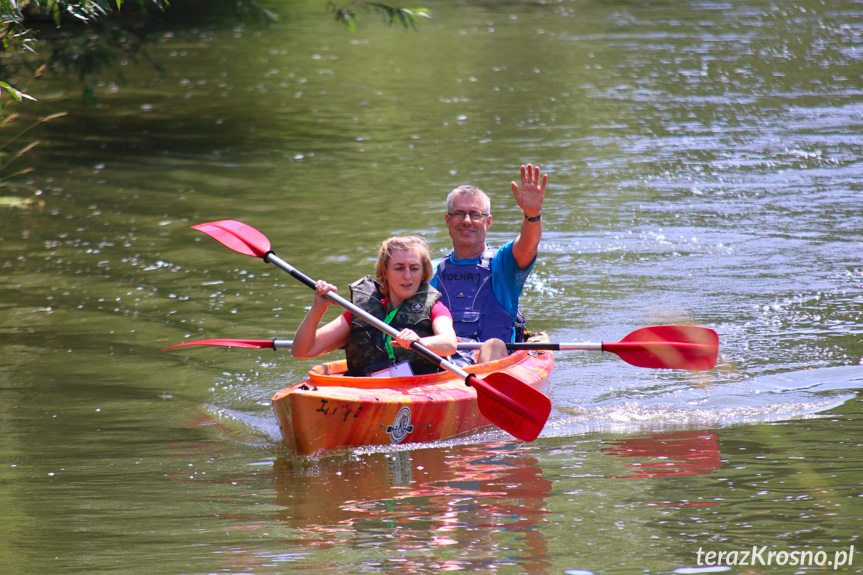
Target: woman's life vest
(365, 349)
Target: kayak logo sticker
(401, 425)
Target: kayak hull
(328, 410)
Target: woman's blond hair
(403, 243)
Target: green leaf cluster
(348, 13)
(24, 24)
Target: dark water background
(705, 168)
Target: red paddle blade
(238, 236)
(256, 343)
(511, 404)
(668, 347)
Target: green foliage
(347, 14)
(27, 23)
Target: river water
(704, 164)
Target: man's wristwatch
(536, 219)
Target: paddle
(504, 400)
(255, 343)
(659, 347)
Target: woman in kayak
(400, 296)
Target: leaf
(54, 10)
(15, 93)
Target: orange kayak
(328, 410)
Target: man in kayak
(481, 285)
(401, 297)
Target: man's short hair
(469, 191)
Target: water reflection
(485, 502)
(680, 453)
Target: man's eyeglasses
(460, 215)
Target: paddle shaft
(534, 345)
(279, 343)
(469, 378)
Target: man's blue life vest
(476, 313)
(365, 350)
